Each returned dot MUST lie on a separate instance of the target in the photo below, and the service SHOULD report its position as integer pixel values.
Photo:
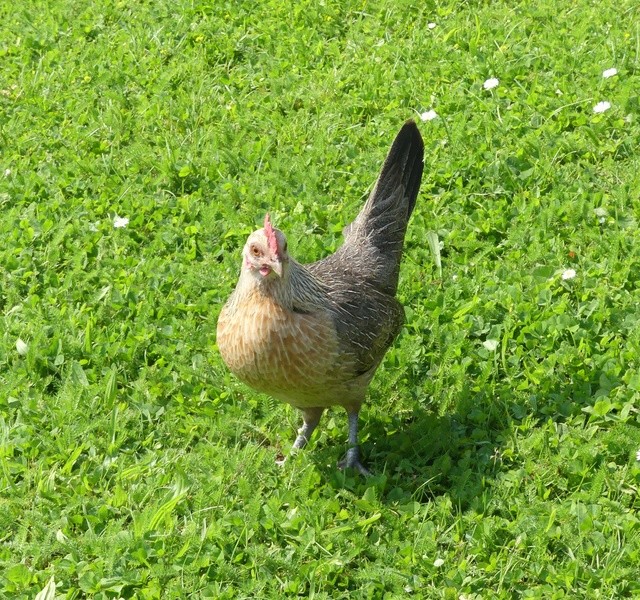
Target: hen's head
(265, 253)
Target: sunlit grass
(141, 143)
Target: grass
(503, 425)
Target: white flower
(21, 347)
(638, 455)
(429, 115)
(438, 562)
(119, 222)
(7, 172)
(568, 274)
(601, 107)
(601, 213)
(491, 345)
(431, 25)
(609, 73)
(491, 83)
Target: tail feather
(376, 237)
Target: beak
(276, 267)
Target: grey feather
(361, 278)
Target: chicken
(313, 335)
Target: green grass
(503, 425)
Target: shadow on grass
(421, 455)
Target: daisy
(119, 222)
(429, 115)
(491, 83)
(568, 274)
(601, 213)
(431, 25)
(609, 73)
(601, 107)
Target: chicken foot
(310, 420)
(352, 458)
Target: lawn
(142, 141)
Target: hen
(313, 335)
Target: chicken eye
(255, 251)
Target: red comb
(270, 232)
